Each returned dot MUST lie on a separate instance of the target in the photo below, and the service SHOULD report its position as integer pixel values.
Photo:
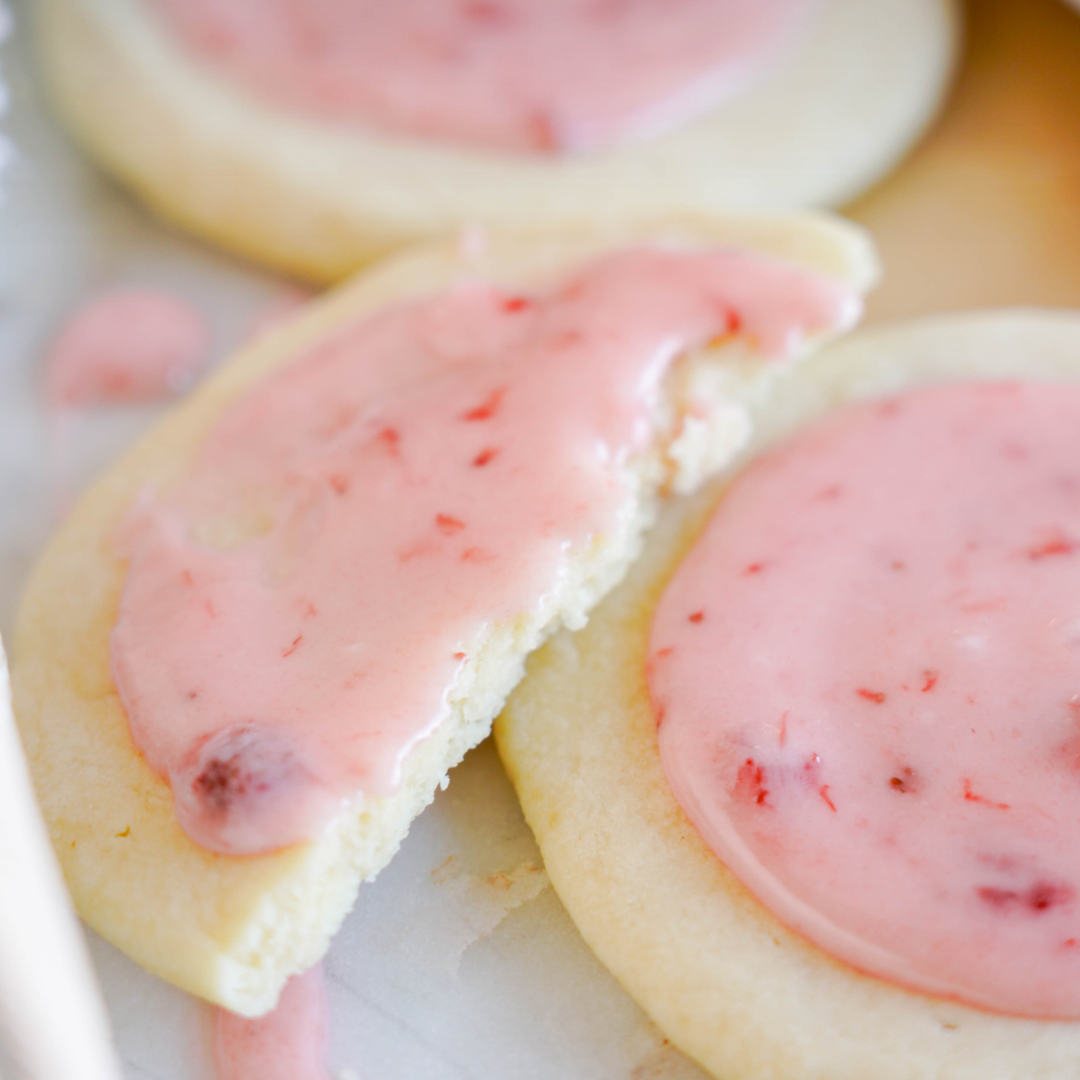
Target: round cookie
(725, 980)
(232, 929)
(317, 200)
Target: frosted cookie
(891, 788)
(250, 123)
(255, 648)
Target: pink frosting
(298, 610)
(288, 1043)
(866, 677)
(131, 345)
(532, 75)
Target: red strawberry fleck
(390, 438)
(971, 796)
(1040, 897)
(238, 765)
(905, 781)
(1057, 544)
(488, 407)
(448, 525)
(876, 696)
(750, 783)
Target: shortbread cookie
(317, 198)
(723, 976)
(215, 486)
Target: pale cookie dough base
(725, 980)
(233, 929)
(317, 200)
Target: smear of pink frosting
(518, 75)
(297, 613)
(289, 1043)
(867, 683)
(129, 345)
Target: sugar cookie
(316, 199)
(233, 929)
(724, 978)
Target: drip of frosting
(866, 677)
(298, 610)
(516, 75)
(288, 1043)
(130, 345)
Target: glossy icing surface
(129, 345)
(518, 75)
(866, 677)
(298, 611)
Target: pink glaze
(131, 345)
(867, 680)
(298, 609)
(518, 75)
(288, 1043)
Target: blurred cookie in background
(250, 127)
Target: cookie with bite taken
(258, 644)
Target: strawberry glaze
(298, 611)
(130, 345)
(288, 1043)
(516, 75)
(867, 682)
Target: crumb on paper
(482, 902)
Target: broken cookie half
(256, 647)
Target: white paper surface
(459, 962)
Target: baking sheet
(459, 961)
